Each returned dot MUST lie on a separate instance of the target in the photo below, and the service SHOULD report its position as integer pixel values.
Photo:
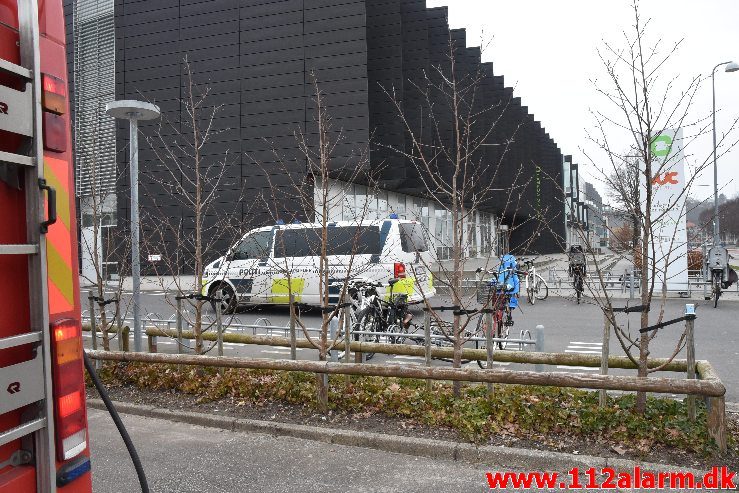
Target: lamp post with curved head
(133, 111)
(730, 67)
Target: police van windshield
(255, 246)
(345, 240)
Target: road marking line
(589, 348)
(403, 363)
(275, 352)
(581, 352)
(586, 343)
(586, 368)
(421, 358)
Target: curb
(512, 458)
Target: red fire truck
(43, 419)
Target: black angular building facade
(259, 57)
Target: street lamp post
(133, 111)
(730, 67)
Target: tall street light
(133, 111)
(730, 67)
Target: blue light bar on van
(280, 222)
(297, 221)
(393, 216)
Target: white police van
(257, 268)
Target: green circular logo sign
(663, 150)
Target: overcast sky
(547, 50)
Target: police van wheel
(228, 298)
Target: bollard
(603, 397)
(427, 341)
(539, 332)
(690, 346)
(125, 339)
(333, 328)
(179, 325)
(631, 284)
(293, 336)
(152, 343)
(219, 325)
(489, 345)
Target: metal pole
(690, 345)
(135, 254)
(427, 341)
(631, 284)
(539, 332)
(333, 328)
(93, 323)
(293, 340)
(715, 167)
(347, 329)
(179, 325)
(219, 326)
(603, 398)
(489, 344)
(705, 270)
(119, 322)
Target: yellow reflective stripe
(62, 195)
(60, 273)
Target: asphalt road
(568, 328)
(181, 458)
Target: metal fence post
(293, 340)
(119, 323)
(603, 397)
(690, 345)
(704, 270)
(179, 325)
(427, 340)
(539, 332)
(347, 329)
(333, 328)
(93, 327)
(219, 325)
(631, 284)
(489, 345)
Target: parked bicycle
(372, 314)
(536, 287)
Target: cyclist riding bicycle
(577, 260)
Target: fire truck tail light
(69, 388)
(399, 270)
(54, 94)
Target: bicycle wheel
(531, 290)
(541, 290)
(368, 321)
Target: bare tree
(184, 243)
(643, 101)
(458, 154)
(315, 189)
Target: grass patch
(538, 413)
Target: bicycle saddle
(393, 282)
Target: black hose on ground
(118, 423)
